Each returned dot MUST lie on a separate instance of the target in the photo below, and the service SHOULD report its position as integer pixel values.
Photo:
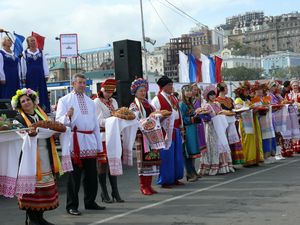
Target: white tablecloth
(114, 129)
(10, 149)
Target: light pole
(144, 40)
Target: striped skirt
(44, 198)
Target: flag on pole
(218, 62)
(205, 69)
(212, 70)
(194, 69)
(40, 40)
(183, 68)
(18, 45)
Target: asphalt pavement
(263, 195)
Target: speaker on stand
(128, 66)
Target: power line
(174, 10)
(198, 22)
(189, 16)
(161, 19)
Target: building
(175, 45)
(60, 71)
(278, 33)
(280, 60)
(209, 41)
(232, 61)
(155, 61)
(244, 18)
(88, 60)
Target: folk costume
(85, 144)
(217, 158)
(265, 123)
(149, 139)
(294, 96)
(45, 194)
(10, 73)
(35, 71)
(104, 109)
(232, 133)
(172, 166)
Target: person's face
(273, 89)
(226, 90)
(141, 93)
(79, 85)
(195, 90)
(107, 95)
(7, 43)
(259, 93)
(32, 42)
(295, 87)
(168, 88)
(27, 104)
(212, 97)
(188, 93)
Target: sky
(100, 22)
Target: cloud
(100, 22)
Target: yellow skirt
(252, 144)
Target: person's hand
(32, 131)
(23, 81)
(70, 112)
(198, 111)
(2, 81)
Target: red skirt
(296, 146)
(44, 198)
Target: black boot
(33, 218)
(114, 187)
(42, 220)
(104, 194)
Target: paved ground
(269, 194)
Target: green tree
(241, 73)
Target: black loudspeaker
(128, 60)
(123, 94)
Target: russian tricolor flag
(206, 69)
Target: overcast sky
(99, 22)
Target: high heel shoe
(117, 197)
(105, 198)
(191, 177)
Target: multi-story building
(175, 45)
(280, 60)
(244, 18)
(232, 61)
(88, 60)
(279, 33)
(209, 41)
(155, 61)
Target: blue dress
(11, 71)
(35, 78)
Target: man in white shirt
(77, 111)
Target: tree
(241, 73)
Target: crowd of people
(260, 125)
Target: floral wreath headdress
(21, 92)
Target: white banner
(68, 46)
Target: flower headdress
(137, 83)
(208, 89)
(21, 92)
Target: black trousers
(90, 184)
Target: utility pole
(144, 41)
